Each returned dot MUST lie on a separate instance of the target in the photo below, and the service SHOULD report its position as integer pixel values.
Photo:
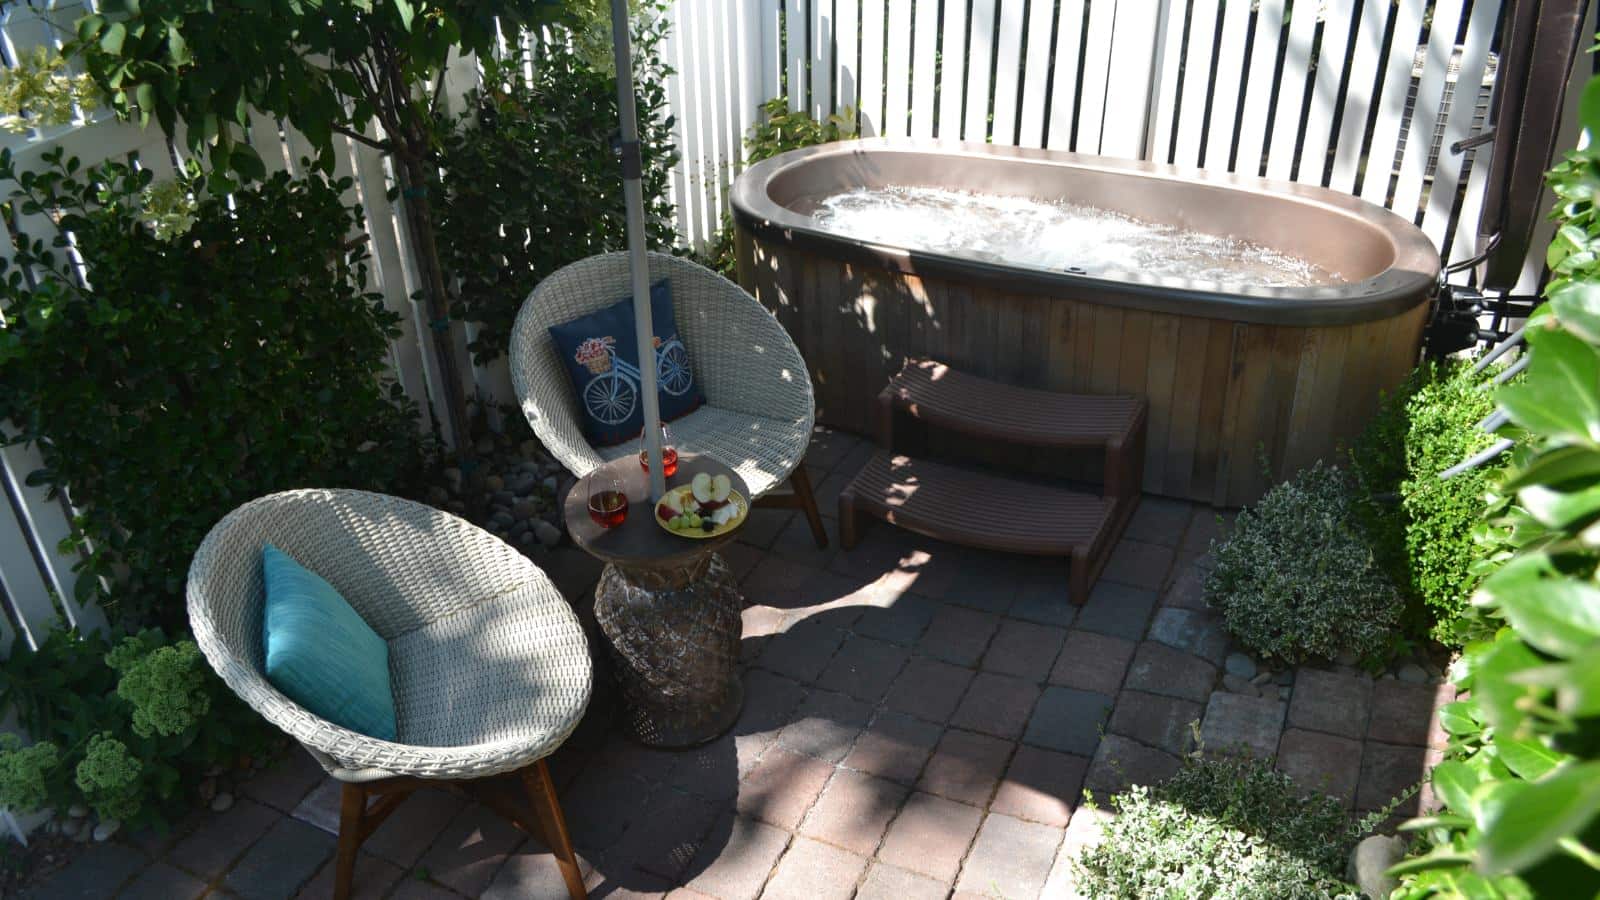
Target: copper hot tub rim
(1410, 277)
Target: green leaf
(247, 162)
(407, 13)
(1530, 759)
(1558, 615)
(112, 38)
(1460, 717)
(1454, 782)
(1557, 466)
(1560, 394)
(1520, 833)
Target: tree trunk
(414, 180)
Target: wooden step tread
(933, 392)
(978, 509)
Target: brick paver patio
(920, 720)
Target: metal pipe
(1499, 350)
(1477, 459)
(1512, 370)
(638, 260)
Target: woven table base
(674, 636)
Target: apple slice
(721, 486)
(701, 487)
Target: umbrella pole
(638, 262)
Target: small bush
(1443, 417)
(1224, 830)
(1421, 528)
(1297, 579)
(779, 130)
(194, 372)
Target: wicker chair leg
(547, 806)
(808, 503)
(352, 827)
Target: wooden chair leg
(808, 502)
(547, 806)
(352, 825)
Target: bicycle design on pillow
(611, 396)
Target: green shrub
(196, 373)
(1443, 417)
(1521, 785)
(1220, 829)
(531, 182)
(1422, 528)
(1297, 579)
(118, 727)
(779, 129)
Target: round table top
(639, 542)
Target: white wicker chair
(759, 407)
(489, 666)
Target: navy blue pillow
(601, 354)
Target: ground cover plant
(1521, 786)
(530, 181)
(1296, 579)
(1223, 829)
(119, 728)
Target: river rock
(1261, 678)
(529, 447)
(494, 483)
(550, 483)
(1240, 665)
(523, 483)
(452, 479)
(77, 810)
(1411, 673)
(1371, 860)
(501, 519)
(438, 496)
(208, 789)
(1235, 685)
(548, 534)
(222, 802)
(524, 509)
(106, 829)
(485, 446)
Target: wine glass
(608, 503)
(669, 453)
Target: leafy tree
(369, 70)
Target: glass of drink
(608, 503)
(669, 454)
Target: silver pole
(638, 262)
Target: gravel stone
(1411, 673)
(548, 534)
(1240, 665)
(1234, 684)
(106, 829)
(221, 802)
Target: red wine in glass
(669, 454)
(608, 508)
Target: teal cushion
(321, 653)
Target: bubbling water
(1044, 234)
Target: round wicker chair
(759, 408)
(489, 666)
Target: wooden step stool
(939, 500)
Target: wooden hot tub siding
(1222, 393)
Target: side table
(669, 607)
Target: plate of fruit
(706, 507)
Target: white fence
(1330, 93)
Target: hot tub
(1234, 373)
